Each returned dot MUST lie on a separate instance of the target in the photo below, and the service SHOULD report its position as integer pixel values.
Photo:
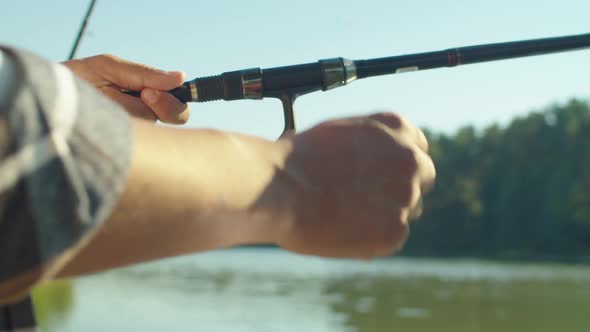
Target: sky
(208, 38)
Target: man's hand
(360, 182)
(110, 75)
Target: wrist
(272, 211)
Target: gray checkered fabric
(64, 153)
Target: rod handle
(227, 86)
(182, 93)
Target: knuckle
(103, 58)
(416, 212)
(148, 68)
(393, 239)
(102, 61)
(403, 122)
(409, 161)
(423, 139)
(407, 193)
(109, 57)
(392, 120)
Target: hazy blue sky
(209, 37)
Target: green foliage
(53, 300)
(519, 192)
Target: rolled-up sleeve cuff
(65, 151)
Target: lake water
(271, 290)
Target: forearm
(104, 192)
(189, 191)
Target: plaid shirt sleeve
(64, 154)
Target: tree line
(520, 191)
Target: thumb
(165, 106)
(134, 76)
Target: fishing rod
(82, 30)
(289, 82)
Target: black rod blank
(470, 54)
(82, 30)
